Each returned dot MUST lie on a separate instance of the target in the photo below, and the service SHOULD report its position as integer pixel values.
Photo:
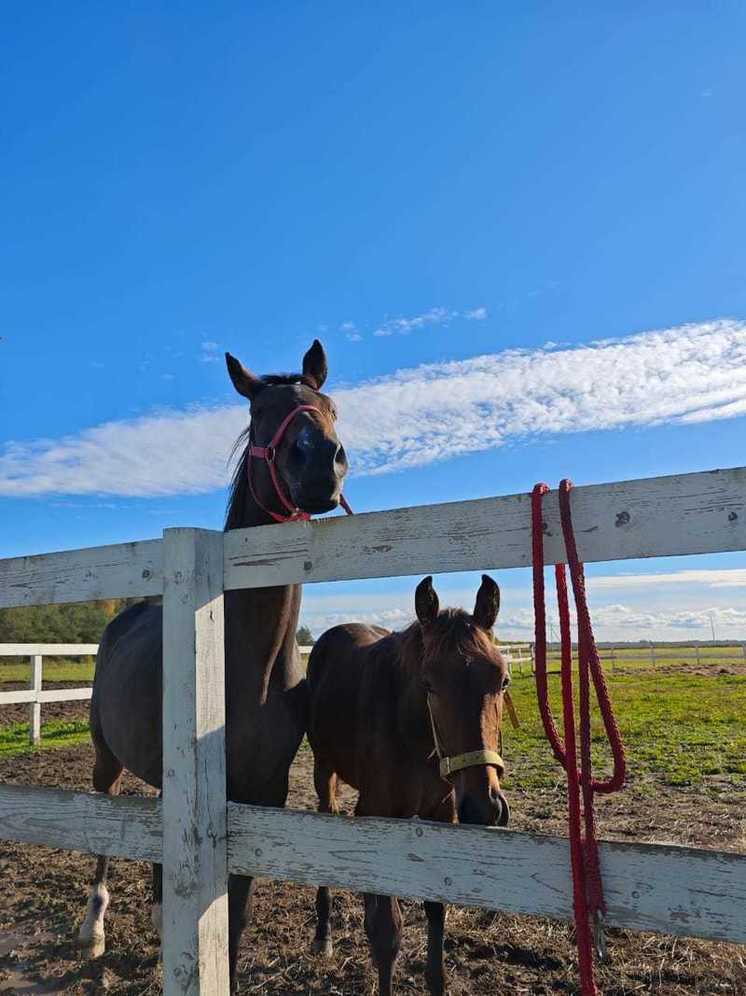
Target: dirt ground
(43, 894)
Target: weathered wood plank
(675, 890)
(125, 827)
(48, 649)
(195, 869)
(664, 888)
(127, 569)
(29, 695)
(656, 517)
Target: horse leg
(383, 923)
(156, 910)
(326, 788)
(107, 777)
(434, 971)
(240, 889)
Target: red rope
(588, 897)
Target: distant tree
(304, 637)
(79, 623)
(82, 622)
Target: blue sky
(465, 203)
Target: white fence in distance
(34, 695)
(679, 890)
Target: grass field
(679, 728)
(682, 729)
(76, 670)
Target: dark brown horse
(266, 696)
(412, 721)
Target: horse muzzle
(488, 810)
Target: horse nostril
(340, 456)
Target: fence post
(195, 870)
(34, 729)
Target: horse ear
(244, 381)
(315, 365)
(426, 602)
(488, 603)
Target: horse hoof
(92, 947)
(323, 946)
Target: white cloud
(640, 621)
(731, 577)
(435, 316)
(442, 410)
(351, 332)
(428, 413)
(617, 621)
(211, 352)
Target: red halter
(269, 453)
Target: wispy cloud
(428, 413)
(211, 352)
(629, 622)
(441, 410)
(615, 621)
(351, 331)
(730, 577)
(435, 316)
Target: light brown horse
(293, 464)
(412, 721)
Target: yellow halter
(472, 759)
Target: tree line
(83, 622)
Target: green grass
(58, 733)
(678, 728)
(55, 669)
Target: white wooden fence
(200, 837)
(36, 652)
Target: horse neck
(260, 623)
(260, 627)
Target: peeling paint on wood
(679, 890)
(81, 575)
(660, 516)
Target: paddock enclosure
(200, 837)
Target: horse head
(294, 463)
(464, 678)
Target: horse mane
(452, 632)
(239, 481)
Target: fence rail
(201, 838)
(34, 695)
